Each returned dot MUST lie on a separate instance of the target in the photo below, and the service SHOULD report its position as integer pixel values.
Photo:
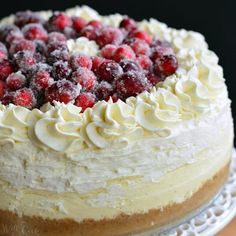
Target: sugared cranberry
(6, 68)
(142, 35)
(166, 65)
(56, 37)
(8, 98)
(89, 32)
(40, 67)
(95, 23)
(34, 31)
(145, 62)
(56, 45)
(24, 97)
(123, 52)
(108, 51)
(132, 83)
(85, 78)
(40, 47)
(59, 21)
(13, 36)
(96, 62)
(80, 60)
(61, 70)
(58, 55)
(158, 52)
(25, 17)
(109, 70)
(62, 91)
(109, 35)
(160, 43)
(85, 100)
(15, 81)
(78, 23)
(128, 24)
(70, 33)
(3, 52)
(153, 79)
(5, 30)
(41, 80)
(140, 47)
(2, 88)
(103, 90)
(24, 60)
(130, 65)
(22, 45)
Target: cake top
(74, 80)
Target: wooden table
(229, 230)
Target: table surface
(229, 230)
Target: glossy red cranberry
(22, 45)
(142, 35)
(80, 60)
(109, 35)
(103, 90)
(16, 81)
(108, 51)
(55, 37)
(145, 62)
(109, 70)
(25, 17)
(61, 70)
(85, 100)
(85, 78)
(96, 62)
(166, 65)
(153, 79)
(2, 88)
(131, 84)
(140, 47)
(59, 21)
(34, 31)
(130, 65)
(158, 52)
(123, 52)
(24, 60)
(62, 91)
(24, 97)
(41, 80)
(78, 23)
(128, 24)
(6, 68)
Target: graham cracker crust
(13, 225)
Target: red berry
(78, 23)
(153, 79)
(8, 98)
(56, 37)
(96, 62)
(5, 30)
(34, 31)
(131, 84)
(140, 47)
(2, 88)
(16, 81)
(58, 55)
(89, 32)
(3, 52)
(95, 23)
(59, 21)
(166, 65)
(108, 51)
(129, 24)
(80, 60)
(114, 97)
(61, 91)
(56, 45)
(142, 35)
(22, 45)
(160, 43)
(109, 70)
(159, 52)
(24, 60)
(61, 70)
(130, 65)
(145, 62)
(6, 68)
(41, 80)
(85, 100)
(109, 35)
(24, 97)
(103, 90)
(85, 78)
(13, 36)
(70, 33)
(124, 52)
(26, 17)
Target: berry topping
(24, 60)
(62, 91)
(108, 51)
(145, 62)
(128, 24)
(3, 52)
(80, 60)
(2, 88)
(103, 90)
(78, 23)
(24, 97)
(153, 79)
(123, 52)
(142, 35)
(6, 68)
(55, 37)
(132, 83)
(22, 45)
(15, 81)
(25, 17)
(166, 65)
(140, 47)
(61, 70)
(109, 70)
(34, 31)
(130, 65)
(158, 52)
(41, 80)
(85, 100)
(96, 62)
(85, 78)
(59, 21)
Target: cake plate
(210, 219)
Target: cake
(108, 126)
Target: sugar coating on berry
(103, 90)
(2, 88)
(24, 97)
(41, 80)
(24, 60)
(80, 60)
(123, 52)
(130, 65)
(15, 81)
(6, 68)
(108, 51)
(59, 21)
(54, 37)
(85, 100)
(128, 24)
(25, 17)
(61, 70)
(78, 23)
(34, 31)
